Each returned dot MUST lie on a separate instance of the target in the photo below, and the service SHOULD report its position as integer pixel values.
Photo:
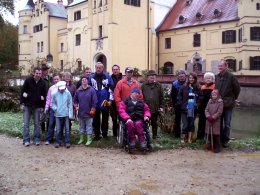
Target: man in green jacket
(229, 90)
(153, 96)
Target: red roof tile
(228, 8)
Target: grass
(11, 123)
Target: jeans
(35, 112)
(225, 125)
(60, 123)
(201, 125)
(188, 123)
(85, 126)
(177, 122)
(114, 116)
(104, 125)
(51, 126)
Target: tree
(6, 6)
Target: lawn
(11, 124)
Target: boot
(184, 141)
(217, 146)
(81, 139)
(190, 137)
(89, 140)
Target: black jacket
(34, 91)
(135, 111)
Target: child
(187, 99)
(134, 111)
(204, 96)
(62, 106)
(213, 113)
(85, 101)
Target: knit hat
(136, 90)
(61, 85)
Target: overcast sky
(20, 4)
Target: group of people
(124, 98)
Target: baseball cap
(136, 90)
(61, 85)
(129, 69)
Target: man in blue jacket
(103, 84)
(33, 96)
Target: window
(62, 47)
(168, 68)
(167, 43)
(42, 46)
(77, 39)
(25, 29)
(229, 36)
(240, 35)
(79, 65)
(100, 31)
(61, 65)
(196, 40)
(240, 65)
(232, 64)
(106, 2)
(258, 6)
(95, 4)
(132, 2)
(77, 15)
(255, 33)
(255, 63)
(38, 47)
(100, 3)
(37, 28)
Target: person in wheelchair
(133, 111)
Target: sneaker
(57, 145)
(47, 143)
(67, 145)
(132, 145)
(225, 145)
(27, 144)
(96, 138)
(37, 143)
(143, 145)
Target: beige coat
(214, 109)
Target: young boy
(134, 111)
(85, 101)
(62, 106)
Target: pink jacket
(51, 91)
(123, 114)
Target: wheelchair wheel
(120, 135)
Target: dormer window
(217, 13)
(182, 19)
(199, 16)
(188, 2)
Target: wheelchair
(123, 139)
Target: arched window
(168, 68)
(232, 64)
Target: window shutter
(235, 65)
(251, 60)
(223, 37)
(252, 33)
(234, 35)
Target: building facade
(87, 31)
(196, 34)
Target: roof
(75, 2)
(56, 10)
(29, 5)
(228, 8)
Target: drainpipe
(158, 51)
(148, 34)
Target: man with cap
(125, 86)
(176, 86)
(103, 84)
(62, 106)
(33, 99)
(153, 96)
(48, 82)
(133, 112)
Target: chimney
(60, 2)
(70, 1)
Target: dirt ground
(81, 170)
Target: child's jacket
(62, 104)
